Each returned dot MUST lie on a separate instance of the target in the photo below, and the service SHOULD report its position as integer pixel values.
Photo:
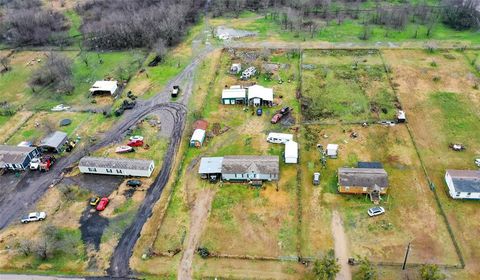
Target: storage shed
(116, 166)
(236, 68)
(463, 184)
(17, 157)
(332, 150)
(54, 142)
(102, 87)
(198, 137)
(234, 95)
(259, 95)
(250, 168)
(291, 152)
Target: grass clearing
(445, 109)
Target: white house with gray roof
(463, 184)
(116, 166)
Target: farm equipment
(46, 162)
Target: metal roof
(234, 93)
(465, 180)
(14, 154)
(250, 164)
(366, 177)
(291, 149)
(198, 135)
(115, 163)
(110, 86)
(210, 165)
(257, 91)
(54, 140)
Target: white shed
(258, 95)
(332, 150)
(198, 137)
(291, 152)
(100, 87)
(116, 166)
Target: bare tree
(5, 62)
(56, 72)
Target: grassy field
(442, 112)
(346, 86)
(348, 30)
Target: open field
(441, 113)
(346, 85)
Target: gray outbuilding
(210, 167)
(54, 142)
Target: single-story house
(235, 68)
(210, 167)
(17, 157)
(54, 142)
(250, 168)
(102, 87)
(258, 95)
(234, 95)
(332, 150)
(291, 152)
(116, 166)
(198, 137)
(463, 184)
(372, 181)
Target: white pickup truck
(33, 217)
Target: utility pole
(406, 257)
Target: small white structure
(291, 152)
(234, 95)
(463, 184)
(235, 68)
(279, 138)
(401, 117)
(100, 87)
(258, 95)
(116, 166)
(332, 150)
(198, 137)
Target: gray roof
(366, 177)
(369, 164)
(14, 154)
(250, 164)
(54, 140)
(465, 180)
(117, 163)
(210, 165)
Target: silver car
(316, 178)
(375, 211)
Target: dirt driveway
(341, 247)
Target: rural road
(341, 247)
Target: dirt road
(198, 219)
(341, 247)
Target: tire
(41, 219)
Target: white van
(279, 138)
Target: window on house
(119, 171)
(469, 193)
(458, 193)
(364, 189)
(109, 171)
(91, 169)
(347, 188)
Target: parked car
(33, 217)
(60, 108)
(102, 204)
(259, 111)
(276, 118)
(94, 201)
(477, 162)
(285, 110)
(375, 211)
(34, 163)
(134, 183)
(135, 143)
(136, 138)
(316, 178)
(175, 91)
